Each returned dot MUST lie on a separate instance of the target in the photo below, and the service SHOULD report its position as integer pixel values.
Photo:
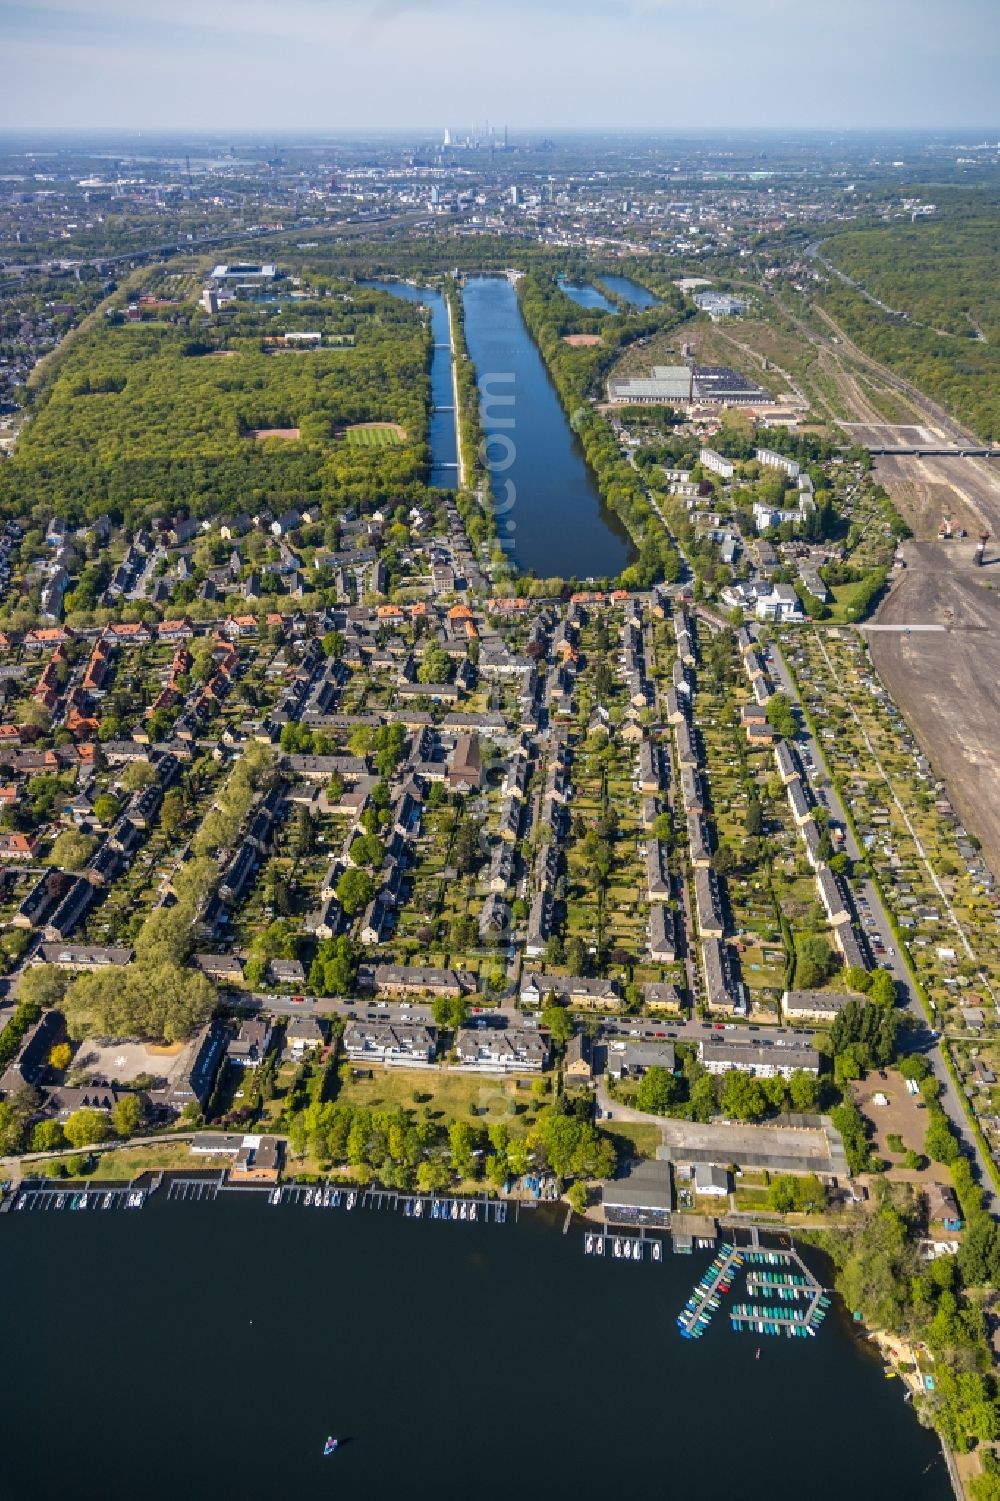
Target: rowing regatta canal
(206, 1350)
(550, 517)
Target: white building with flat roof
(709, 459)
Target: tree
(576, 956)
(742, 1096)
(450, 1011)
(914, 1066)
(72, 850)
(462, 932)
(332, 969)
(788, 1193)
(435, 666)
(161, 1001)
(367, 849)
(940, 1142)
(814, 961)
(355, 890)
(657, 1091)
(42, 985)
(702, 1097)
(138, 774)
(302, 837)
(106, 808)
(432, 1176)
(882, 989)
(48, 1136)
(85, 1127)
(59, 1056)
(172, 812)
(126, 1115)
(754, 820)
(979, 1252)
(462, 1142)
(578, 1196)
(804, 1091)
(558, 1023)
(781, 716)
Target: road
(351, 225)
(15, 1166)
(344, 1008)
(924, 1039)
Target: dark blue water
(441, 433)
(584, 296)
(204, 1351)
(550, 516)
(638, 296)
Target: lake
(550, 515)
(638, 296)
(206, 1349)
(441, 437)
(585, 296)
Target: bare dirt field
(967, 491)
(925, 490)
(948, 682)
(901, 435)
(903, 1117)
(260, 433)
(581, 341)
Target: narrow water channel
(550, 516)
(441, 436)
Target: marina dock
(46, 1196)
(796, 1306)
(49, 1197)
(613, 1245)
(696, 1315)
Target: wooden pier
(614, 1245)
(697, 1312)
(414, 1206)
(194, 1189)
(49, 1198)
(768, 1277)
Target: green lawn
(375, 435)
(445, 1094)
(633, 1138)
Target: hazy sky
(356, 63)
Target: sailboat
(329, 1447)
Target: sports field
(375, 435)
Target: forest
(944, 275)
(161, 413)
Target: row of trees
(695, 1094)
(405, 1149)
